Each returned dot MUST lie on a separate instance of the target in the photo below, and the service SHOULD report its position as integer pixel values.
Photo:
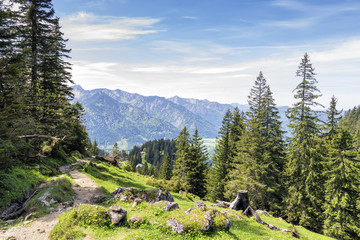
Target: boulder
(201, 205)
(117, 191)
(176, 226)
(99, 198)
(208, 221)
(135, 221)
(163, 195)
(171, 206)
(116, 214)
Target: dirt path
(39, 229)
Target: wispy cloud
(89, 27)
(294, 23)
(290, 4)
(190, 17)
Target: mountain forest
(309, 176)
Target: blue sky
(213, 49)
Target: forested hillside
(37, 117)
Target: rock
(208, 221)
(189, 210)
(201, 205)
(116, 214)
(136, 202)
(241, 202)
(135, 221)
(227, 223)
(163, 195)
(176, 226)
(117, 191)
(99, 198)
(171, 206)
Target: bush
(83, 216)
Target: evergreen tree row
(311, 178)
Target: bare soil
(39, 229)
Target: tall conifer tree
(305, 153)
(165, 168)
(342, 211)
(221, 161)
(182, 155)
(258, 165)
(197, 165)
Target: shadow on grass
(104, 174)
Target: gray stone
(163, 195)
(189, 210)
(116, 214)
(208, 221)
(176, 226)
(171, 206)
(201, 205)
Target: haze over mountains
(129, 118)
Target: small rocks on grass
(201, 205)
(163, 195)
(99, 198)
(176, 226)
(171, 206)
(135, 221)
(208, 221)
(116, 214)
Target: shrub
(84, 215)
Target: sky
(214, 49)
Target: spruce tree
(342, 211)
(197, 165)
(165, 168)
(259, 163)
(305, 153)
(221, 161)
(182, 155)
(333, 118)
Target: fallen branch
(250, 212)
(18, 210)
(222, 204)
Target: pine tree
(197, 166)
(221, 162)
(165, 168)
(305, 153)
(182, 154)
(342, 211)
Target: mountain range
(131, 119)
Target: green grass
(60, 191)
(154, 219)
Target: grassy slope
(154, 227)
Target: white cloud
(190, 17)
(89, 27)
(346, 50)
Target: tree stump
(241, 201)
